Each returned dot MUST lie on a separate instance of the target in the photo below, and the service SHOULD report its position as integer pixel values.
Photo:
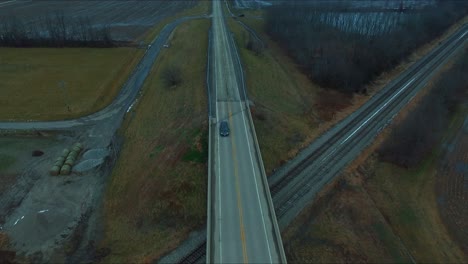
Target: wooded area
(53, 30)
(412, 140)
(344, 50)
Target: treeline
(345, 51)
(53, 30)
(414, 139)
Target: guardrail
(210, 145)
(258, 153)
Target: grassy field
(6, 254)
(52, 84)
(342, 226)
(55, 84)
(408, 201)
(450, 190)
(283, 100)
(157, 190)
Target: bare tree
(172, 76)
(53, 30)
(343, 50)
(254, 45)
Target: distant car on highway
(224, 129)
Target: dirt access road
(51, 219)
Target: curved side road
(124, 100)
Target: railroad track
(315, 174)
(277, 186)
(196, 256)
(298, 185)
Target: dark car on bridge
(224, 129)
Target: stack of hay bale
(65, 162)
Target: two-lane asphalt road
(243, 226)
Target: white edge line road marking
(17, 220)
(378, 110)
(219, 164)
(217, 68)
(256, 185)
(250, 154)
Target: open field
(157, 190)
(127, 20)
(52, 84)
(342, 226)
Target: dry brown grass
(336, 229)
(4, 241)
(6, 254)
(407, 200)
(55, 84)
(377, 213)
(157, 191)
(450, 187)
(388, 211)
(52, 84)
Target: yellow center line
(239, 199)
